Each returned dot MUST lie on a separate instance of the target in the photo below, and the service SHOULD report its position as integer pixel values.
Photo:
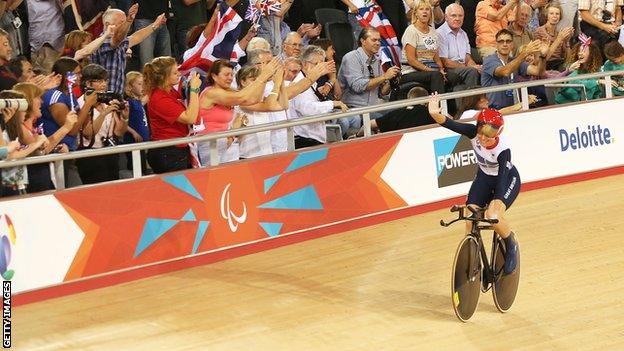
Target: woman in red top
(168, 116)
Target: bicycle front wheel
(466, 278)
(505, 286)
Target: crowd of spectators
(107, 73)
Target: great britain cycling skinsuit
(497, 177)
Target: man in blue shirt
(501, 68)
(361, 77)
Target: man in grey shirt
(361, 78)
(46, 31)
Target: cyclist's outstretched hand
(435, 110)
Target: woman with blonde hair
(168, 117)
(39, 177)
(422, 63)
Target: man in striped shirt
(112, 54)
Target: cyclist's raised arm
(469, 130)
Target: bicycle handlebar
(477, 215)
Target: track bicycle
(472, 271)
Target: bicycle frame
(477, 219)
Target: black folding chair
(342, 38)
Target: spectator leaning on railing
(168, 117)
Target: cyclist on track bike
(497, 182)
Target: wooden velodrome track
(384, 287)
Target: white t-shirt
(256, 144)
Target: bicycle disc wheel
(505, 286)
(466, 279)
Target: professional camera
(395, 83)
(20, 104)
(107, 96)
(109, 141)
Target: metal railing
(289, 124)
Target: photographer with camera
(106, 125)
(600, 19)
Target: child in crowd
(138, 128)
(615, 62)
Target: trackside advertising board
(74, 234)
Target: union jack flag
(71, 79)
(269, 7)
(252, 14)
(222, 43)
(370, 15)
(39, 129)
(259, 8)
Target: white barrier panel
(437, 164)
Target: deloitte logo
(455, 160)
(582, 139)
